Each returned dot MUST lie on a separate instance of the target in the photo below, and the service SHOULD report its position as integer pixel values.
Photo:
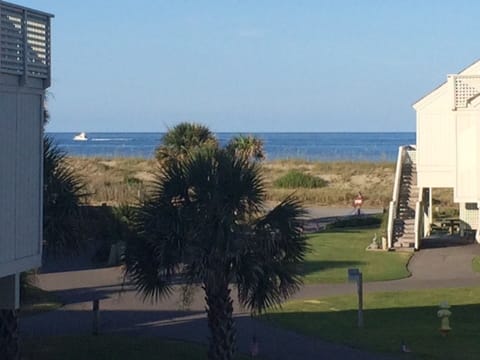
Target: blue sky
(250, 65)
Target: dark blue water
(308, 146)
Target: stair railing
(419, 220)
(393, 207)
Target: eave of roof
(444, 83)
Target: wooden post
(96, 316)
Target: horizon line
(242, 132)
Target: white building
(447, 155)
(24, 76)
(448, 139)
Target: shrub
(131, 181)
(298, 179)
(357, 221)
(109, 225)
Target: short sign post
(96, 316)
(354, 275)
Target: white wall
(466, 188)
(21, 120)
(436, 144)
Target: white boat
(81, 137)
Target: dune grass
(334, 251)
(111, 347)
(123, 180)
(115, 181)
(120, 180)
(390, 318)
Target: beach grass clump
(294, 179)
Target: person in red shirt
(358, 202)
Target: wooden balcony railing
(24, 42)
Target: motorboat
(81, 137)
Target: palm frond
(63, 193)
(153, 258)
(183, 138)
(247, 147)
(276, 248)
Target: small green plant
(132, 181)
(297, 179)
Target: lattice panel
(9, 335)
(24, 42)
(469, 214)
(466, 87)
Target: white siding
(28, 172)
(467, 163)
(436, 142)
(8, 114)
(21, 122)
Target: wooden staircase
(404, 223)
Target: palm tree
(63, 193)
(205, 221)
(249, 147)
(181, 139)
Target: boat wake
(110, 139)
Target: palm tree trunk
(220, 321)
(9, 349)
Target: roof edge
(25, 8)
(443, 83)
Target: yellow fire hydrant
(444, 314)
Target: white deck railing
(392, 210)
(465, 88)
(24, 42)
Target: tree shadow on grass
(343, 230)
(314, 266)
(385, 330)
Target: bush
(357, 221)
(109, 225)
(298, 179)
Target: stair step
(400, 244)
(404, 224)
(404, 249)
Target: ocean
(308, 146)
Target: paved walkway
(123, 311)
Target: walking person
(357, 203)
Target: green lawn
(410, 316)
(109, 347)
(333, 252)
